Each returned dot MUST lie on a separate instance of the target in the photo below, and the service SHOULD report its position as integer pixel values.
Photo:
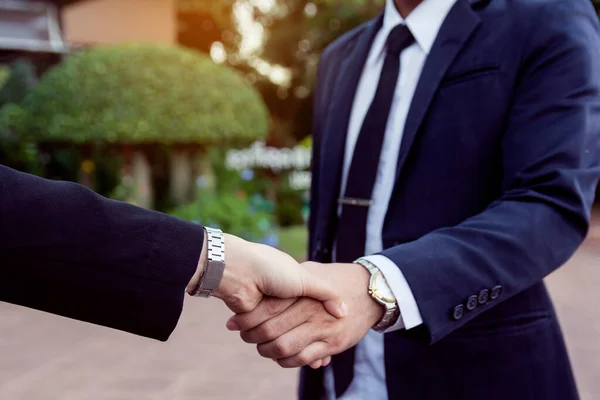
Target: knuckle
(244, 300)
(273, 306)
(281, 349)
(267, 331)
(238, 304)
(247, 337)
(263, 351)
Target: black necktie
(352, 224)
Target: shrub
(20, 79)
(4, 74)
(232, 213)
(138, 93)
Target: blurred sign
(276, 159)
(30, 26)
(258, 155)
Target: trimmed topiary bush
(140, 93)
(145, 94)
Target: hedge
(141, 93)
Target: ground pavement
(44, 357)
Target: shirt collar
(424, 22)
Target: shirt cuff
(410, 316)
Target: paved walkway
(44, 357)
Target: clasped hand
(301, 331)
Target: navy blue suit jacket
(496, 176)
(66, 250)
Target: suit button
(472, 303)
(458, 312)
(483, 297)
(496, 292)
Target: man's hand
(254, 270)
(297, 332)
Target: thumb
(317, 289)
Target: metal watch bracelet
(212, 273)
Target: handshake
(296, 314)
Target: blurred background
(200, 109)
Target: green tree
(16, 150)
(141, 95)
(16, 85)
(4, 74)
(296, 32)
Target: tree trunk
(181, 182)
(142, 176)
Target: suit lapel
(460, 23)
(345, 81)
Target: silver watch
(215, 266)
(380, 291)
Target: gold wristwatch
(380, 291)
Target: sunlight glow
(263, 5)
(253, 38)
(252, 32)
(310, 10)
(218, 53)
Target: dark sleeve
(68, 251)
(551, 169)
(318, 117)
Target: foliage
(232, 213)
(290, 204)
(20, 80)
(137, 93)
(296, 40)
(16, 151)
(296, 32)
(294, 241)
(4, 74)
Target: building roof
(32, 25)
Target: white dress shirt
(424, 23)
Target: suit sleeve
(68, 251)
(317, 115)
(551, 169)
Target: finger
(316, 288)
(296, 315)
(292, 342)
(315, 351)
(319, 363)
(268, 308)
(238, 306)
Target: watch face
(382, 289)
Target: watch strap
(392, 311)
(215, 265)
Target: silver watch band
(215, 266)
